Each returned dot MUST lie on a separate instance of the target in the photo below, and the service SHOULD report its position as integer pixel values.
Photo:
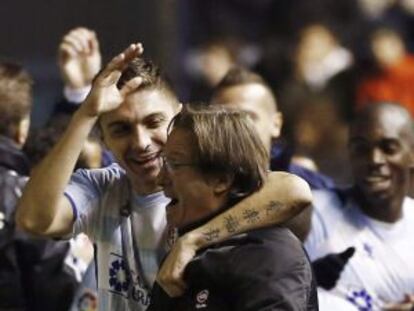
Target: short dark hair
(15, 96)
(239, 76)
(226, 144)
(150, 74)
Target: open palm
(105, 95)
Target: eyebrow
(155, 115)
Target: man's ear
(222, 183)
(22, 131)
(179, 107)
(277, 123)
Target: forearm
(282, 197)
(39, 203)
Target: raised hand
(105, 95)
(79, 58)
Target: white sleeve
(76, 96)
(84, 192)
(326, 211)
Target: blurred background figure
(393, 75)
(373, 216)
(35, 274)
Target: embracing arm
(282, 197)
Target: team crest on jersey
(201, 299)
(361, 299)
(119, 279)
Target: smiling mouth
(377, 182)
(145, 160)
(376, 179)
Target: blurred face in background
(381, 156)
(259, 104)
(388, 47)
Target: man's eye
(120, 130)
(155, 123)
(390, 148)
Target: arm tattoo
(251, 216)
(231, 223)
(272, 207)
(211, 234)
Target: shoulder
(103, 175)
(316, 180)
(261, 270)
(329, 202)
(97, 179)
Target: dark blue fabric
(280, 160)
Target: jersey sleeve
(84, 192)
(327, 209)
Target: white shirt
(100, 198)
(381, 270)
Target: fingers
(120, 62)
(131, 86)
(79, 41)
(173, 286)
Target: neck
(386, 210)
(142, 187)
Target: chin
(374, 195)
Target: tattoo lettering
(211, 235)
(231, 224)
(272, 207)
(251, 216)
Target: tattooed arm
(282, 197)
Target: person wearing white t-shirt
(122, 207)
(375, 216)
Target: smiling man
(121, 207)
(213, 159)
(375, 216)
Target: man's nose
(142, 138)
(377, 156)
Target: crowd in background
(320, 63)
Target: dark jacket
(32, 270)
(262, 270)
